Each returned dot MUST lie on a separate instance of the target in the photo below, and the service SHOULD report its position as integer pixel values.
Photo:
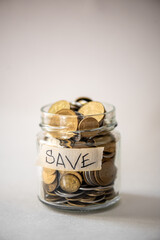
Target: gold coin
(50, 187)
(110, 147)
(96, 109)
(74, 199)
(50, 193)
(109, 197)
(73, 173)
(48, 178)
(107, 193)
(53, 198)
(62, 104)
(49, 170)
(66, 124)
(95, 193)
(87, 199)
(108, 160)
(87, 124)
(107, 174)
(69, 183)
(67, 143)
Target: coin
(70, 121)
(53, 198)
(83, 100)
(110, 147)
(76, 204)
(50, 193)
(106, 175)
(79, 115)
(80, 144)
(103, 140)
(61, 193)
(62, 104)
(49, 170)
(78, 176)
(87, 199)
(92, 177)
(96, 193)
(97, 188)
(73, 173)
(65, 125)
(86, 125)
(111, 159)
(69, 183)
(96, 109)
(108, 193)
(97, 199)
(109, 197)
(50, 187)
(48, 178)
(73, 199)
(75, 105)
(87, 179)
(108, 155)
(67, 143)
(60, 201)
(103, 188)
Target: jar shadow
(129, 208)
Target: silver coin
(96, 193)
(61, 201)
(68, 195)
(74, 199)
(108, 155)
(76, 104)
(98, 200)
(88, 178)
(95, 188)
(92, 179)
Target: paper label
(66, 159)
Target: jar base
(92, 207)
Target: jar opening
(110, 110)
(62, 126)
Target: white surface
(108, 50)
(25, 218)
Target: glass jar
(78, 168)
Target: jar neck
(54, 123)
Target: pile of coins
(83, 128)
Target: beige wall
(107, 50)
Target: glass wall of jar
(78, 158)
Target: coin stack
(84, 127)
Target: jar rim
(109, 119)
(44, 110)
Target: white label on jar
(66, 159)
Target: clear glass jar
(78, 169)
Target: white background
(106, 50)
